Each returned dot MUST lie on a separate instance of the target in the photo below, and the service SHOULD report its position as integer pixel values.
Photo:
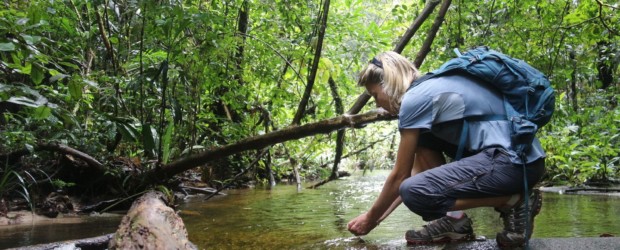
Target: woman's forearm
(405, 158)
(394, 205)
(387, 197)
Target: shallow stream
(282, 218)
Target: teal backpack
(529, 99)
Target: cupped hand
(361, 225)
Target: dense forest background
(109, 96)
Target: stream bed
(283, 218)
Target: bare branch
(73, 152)
(601, 17)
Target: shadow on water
(283, 218)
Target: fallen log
(164, 172)
(99, 242)
(151, 224)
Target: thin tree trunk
(297, 177)
(266, 123)
(573, 81)
(315, 66)
(341, 133)
(104, 38)
(272, 179)
(363, 98)
(432, 32)
(417, 23)
(391, 156)
(242, 28)
(245, 170)
(605, 63)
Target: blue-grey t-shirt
(430, 106)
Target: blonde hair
(394, 72)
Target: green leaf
(128, 131)
(75, 89)
(37, 74)
(91, 83)
(42, 113)
(167, 141)
(22, 21)
(22, 100)
(31, 40)
(149, 138)
(7, 46)
(56, 77)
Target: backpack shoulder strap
(421, 79)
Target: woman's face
(382, 100)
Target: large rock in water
(151, 224)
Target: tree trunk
(432, 32)
(573, 81)
(242, 28)
(417, 23)
(605, 63)
(315, 66)
(297, 177)
(341, 133)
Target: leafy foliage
(153, 81)
(584, 145)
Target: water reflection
(60, 230)
(282, 218)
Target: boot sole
(446, 238)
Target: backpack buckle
(475, 59)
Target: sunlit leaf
(7, 46)
(31, 40)
(21, 100)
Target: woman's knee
(421, 200)
(413, 194)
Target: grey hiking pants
(489, 173)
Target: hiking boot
(519, 221)
(444, 229)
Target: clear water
(60, 229)
(282, 218)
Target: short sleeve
(416, 111)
